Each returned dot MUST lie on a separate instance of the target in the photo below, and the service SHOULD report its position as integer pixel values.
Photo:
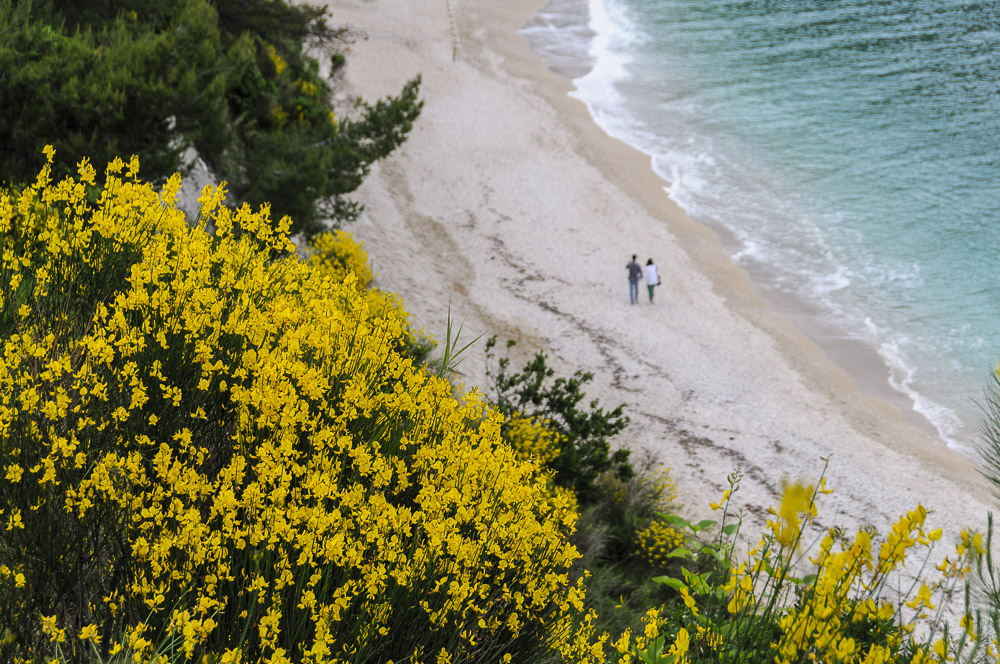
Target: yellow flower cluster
(651, 644)
(657, 540)
(843, 593)
(796, 505)
(819, 617)
(661, 486)
(307, 88)
(245, 466)
(280, 115)
(336, 254)
(279, 62)
(533, 439)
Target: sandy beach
(511, 208)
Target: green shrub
(584, 432)
(614, 534)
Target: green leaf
(730, 528)
(670, 581)
(652, 653)
(702, 525)
(680, 552)
(676, 521)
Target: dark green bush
(231, 78)
(585, 453)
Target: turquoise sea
(847, 152)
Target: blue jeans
(633, 291)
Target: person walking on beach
(652, 278)
(634, 274)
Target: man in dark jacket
(634, 274)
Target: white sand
(510, 206)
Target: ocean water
(847, 152)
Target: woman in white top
(652, 278)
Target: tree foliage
(232, 78)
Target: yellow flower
(652, 623)
(923, 598)
(977, 544)
(722, 502)
(680, 645)
(231, 656)
(689, 601)
(89, 633)
(49, 628)
(968, 625)
(14, 473)
(279, 63)
(796, 499)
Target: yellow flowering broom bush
(335, 255)
(533, 439)
(210, 452)
(657, 541)
(776, 605)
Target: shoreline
(778, 309)
(565, 54)
(511, 207)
